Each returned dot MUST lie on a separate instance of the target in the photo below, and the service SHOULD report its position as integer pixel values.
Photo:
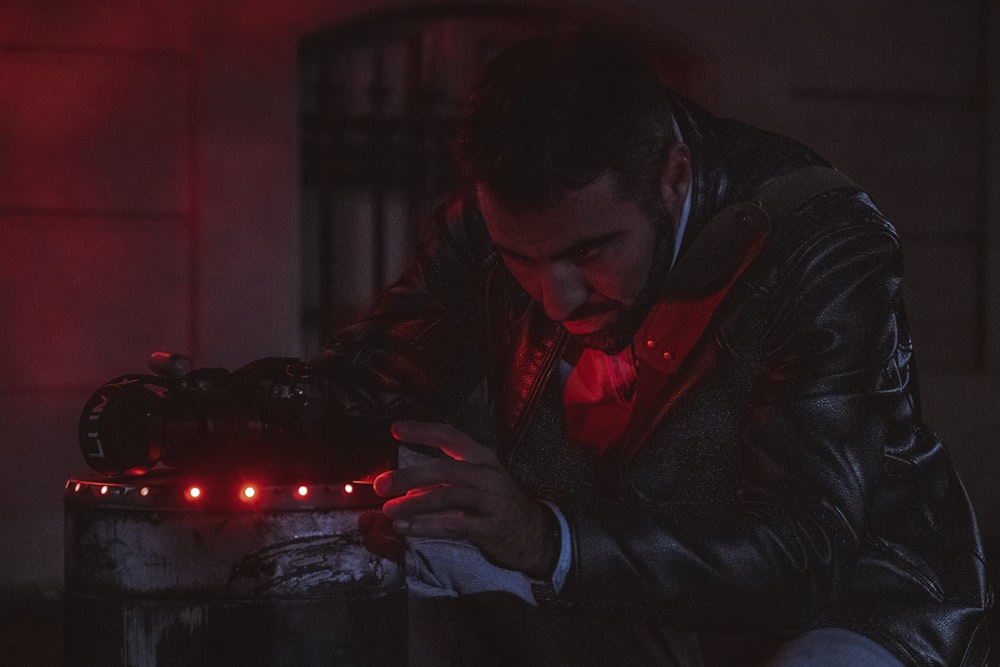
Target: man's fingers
(466, 495)
(431, 500)
(445, 437)
(451, 525)
(431, 473)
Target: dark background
(161, 188)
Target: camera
(271, 418)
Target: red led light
(248, 492)
(193, 492)
(302, 491)
(104, 490)
(348, 488)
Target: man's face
(587, 259)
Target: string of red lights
(198, 493)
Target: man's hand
(470, 496)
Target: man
(707, 419)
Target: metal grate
(378, 107)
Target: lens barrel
(270, 417)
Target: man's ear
(676, 178)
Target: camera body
(271, 418)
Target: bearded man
(708, 446)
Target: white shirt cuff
(565, 550)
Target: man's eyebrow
(582, 245)
(508, 252)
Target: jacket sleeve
(831, 397)
(417, 353)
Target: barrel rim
(173, 491)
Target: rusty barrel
(162, 570)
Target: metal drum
(165, 570)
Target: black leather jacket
(782, 479)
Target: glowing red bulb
(104, 490)
(194, 492)
(348, 488)
(302, 491)
(248, 492)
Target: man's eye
(589, 252)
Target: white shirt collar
(682, 224)
(686, 209)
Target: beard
(618, 335)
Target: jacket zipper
(555, 352)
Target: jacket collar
(700, 279)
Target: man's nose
(563, 291)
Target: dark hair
(552, 114)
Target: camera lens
(271, 418)
(121, 426)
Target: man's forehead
(580, 218)
(570, 209)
